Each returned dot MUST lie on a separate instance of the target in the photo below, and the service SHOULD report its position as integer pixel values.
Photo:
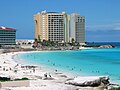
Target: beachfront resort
(58, 58)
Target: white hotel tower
(77, 28)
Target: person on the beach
(10, 69)
(3, 69)
(49, 75)
(34, 70)
(45, 75)
(56, 70)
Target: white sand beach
(40, 78)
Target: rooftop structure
(5, 28)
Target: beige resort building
(59, 27)
(52, 26)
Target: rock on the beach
(106, 46)
(89, 81)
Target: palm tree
(35, 44)
(73, 41)
(39, 40)
(0, 45)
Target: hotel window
(83, 20)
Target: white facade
(78, 28)
(25, 41)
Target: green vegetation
(29, 43)
(35, 40)
(48, 43)
(39, 40)
(0, 45)
(115, 88)
(21, 79)
(4, 80)
(73, 42)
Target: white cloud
(116, 28)
(109, 26)
(98, 27)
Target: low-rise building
(7, 36)
(24, 42)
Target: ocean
(81, 62)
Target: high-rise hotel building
(77, 27)
(59, 27)
(52, 26)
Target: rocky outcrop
(114, 87)
(89, 81)
(106, 46)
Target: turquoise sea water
(80, 62)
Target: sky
(102, 17)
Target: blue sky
(102, 16)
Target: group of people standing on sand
(27, 67)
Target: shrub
(22, 79)
(115, 88)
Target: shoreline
(35, 77)
(68, 73)
(59, 75)
(44, 67)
